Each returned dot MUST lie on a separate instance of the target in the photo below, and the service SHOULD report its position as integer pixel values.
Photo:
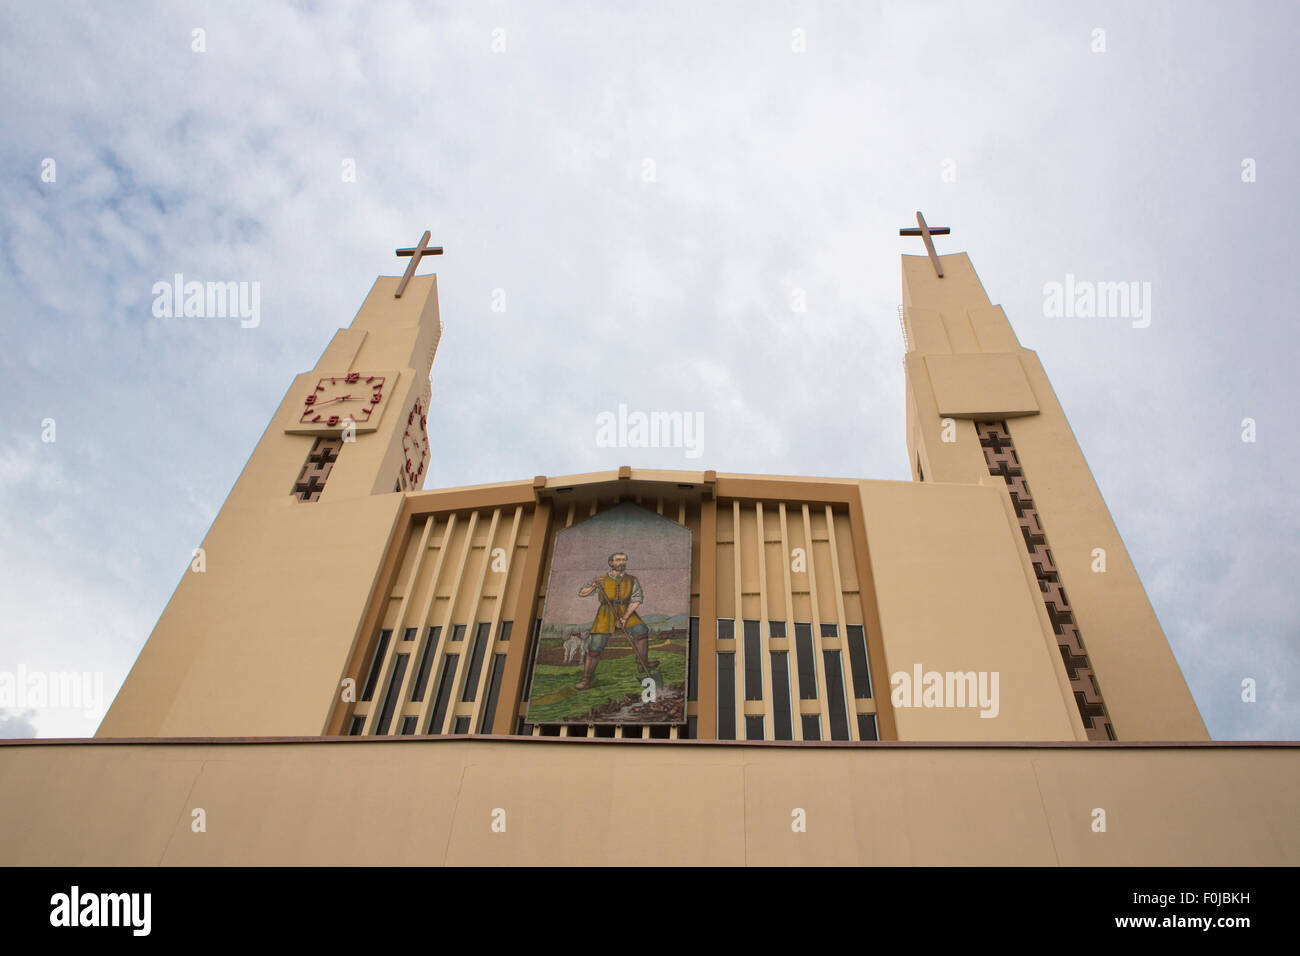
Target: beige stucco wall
(421, 802)
(253, 645)
(956, 593)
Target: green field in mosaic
(553, 699)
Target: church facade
(962, 668)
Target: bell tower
(300, 537)
(980, 410)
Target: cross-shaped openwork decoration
(309, 488)
(416, 254)
(925, 232)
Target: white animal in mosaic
(575, 647)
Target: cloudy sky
(649, 189)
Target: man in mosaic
(620, 595)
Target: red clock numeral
(374, 399)
(424, 421)
(311, 399)
(316, 419)
(333, 420)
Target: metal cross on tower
(925, 232)
(416, 254)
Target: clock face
(336, 400)
(415, 445)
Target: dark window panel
(867, 727)
(458, 632)
(753, 662)
(726, 629)
(830, 630)
(812, 726)
(408, 725)
(532, 659)
(726, 696)
(858, 661)
(659, 732)
(550, 730)
(368, 691)
(693, 679)
(782, 729)
(604, 730)
(523, 728)
(462, 726)
(390, 695)
(494, 687)
(506, 627)
(426, 662)
(805, 661)
(776, 628)
(754, 727)
(835, 702)
(409, 633)
(443, 698)
(356, 724)
(691, 723)
(481, 635)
